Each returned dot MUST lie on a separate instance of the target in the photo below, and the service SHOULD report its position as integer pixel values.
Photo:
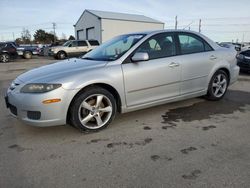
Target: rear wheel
(218, 85)
(93, 110)
(27, 55)
(4, 58)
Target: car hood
(60, 70)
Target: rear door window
(82, 43)
(190, 43)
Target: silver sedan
(127, 73)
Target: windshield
(67, 43)
(114, 48)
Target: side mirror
(140, 56)
(70, 45)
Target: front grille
(13, 109)
(35, 115)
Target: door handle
(212, 57)
(172, 65)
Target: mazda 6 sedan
(127, 73)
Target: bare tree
(26, 36)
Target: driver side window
(159, 46)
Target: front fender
(109, 75)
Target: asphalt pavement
(191, 143)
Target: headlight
(39, 88)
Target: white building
(102, 26)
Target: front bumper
(21, 105)
(51, 53)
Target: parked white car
(73, 48)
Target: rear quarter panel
(226, 59)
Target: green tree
(19, 41)
(44, 37)
(40, 36)
(71, 37)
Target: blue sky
(222, 20)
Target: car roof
(153, 32)
(165, 30)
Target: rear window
(93, 42)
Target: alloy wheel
(95, 111)
(219, 85)
(4, 58)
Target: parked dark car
(26, 51)
(7, 52)
(236, 46)
(243, 60)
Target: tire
(27, 55)
(218, 86)
(5, 58)
(93, 109)
(61, 55)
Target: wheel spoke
(223, 82)
(222, 90)
(99, 100)
(98, 119)
(215, 85)
(216, 91)
(219, 78)
(106, 109)
(87, 119)
(86, 106)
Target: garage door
(90, 33)
(80, 34)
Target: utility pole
(13, 35)
(54, 28)
(199, 25)
(176, 22)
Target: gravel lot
(192, 143)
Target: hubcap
(219, 85)
(95, 111)
(62, 55)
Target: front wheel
(93, 109)
(4, 58)
(218, 85)
(61, 55)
